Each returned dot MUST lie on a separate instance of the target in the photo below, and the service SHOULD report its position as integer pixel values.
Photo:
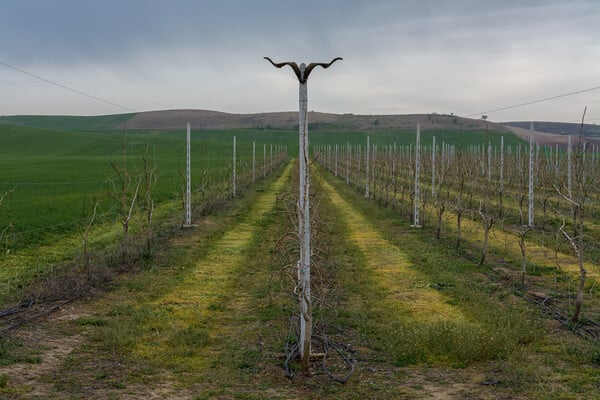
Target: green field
(55, 176)
(68, 122)
(58, 166)
(207, 311)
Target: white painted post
(234, 163)
(531, 156)
(271, 158)
(253, 161)
(569, 168)
(502, 164)
(417, 173)
(336, 160)
(348, 153)
(374, 168)
(264, 160)
(368, 152)
(188, 181)
(433, 167)
(489, 162)
(304, 210)
(304, 225)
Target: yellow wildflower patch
(393, 271)
(190, 311)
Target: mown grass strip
(416, 301)
(394, 272)
(185, 320)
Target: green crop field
(57, 166)
(55, 176)
(68, 122)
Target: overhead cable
(91, 96)
(535, 101)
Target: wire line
(66, 87)
(535, 101)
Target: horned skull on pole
(302, 72)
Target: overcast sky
(460, 56)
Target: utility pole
(302, 72)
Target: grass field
(55, 176)
(208, 313)
(210, 317)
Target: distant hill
(204, 119)
(559, 128)
(553, 133)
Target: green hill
(69, 122)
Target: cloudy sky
(461, 56)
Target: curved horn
(311, 66)
(292, 65)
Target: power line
(66, 87)
(535, 101)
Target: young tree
(577, 194)
(149, 180)
(125, 189)
(4, 229)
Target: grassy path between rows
(445, 320)
(210, 319)
(152, 337)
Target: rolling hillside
(204, 119)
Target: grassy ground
(56, 176)
(521, 339)
(211, 317)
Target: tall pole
(501, 166)
(569, 168)
(348, 153)
(253, 161)
(417, 173)
(304, 224)
(336, 160)
(489, 154)
(531, 155)
(433, 166)
(188, 181)
(234, 171)
(302, 72)
(367, 169)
